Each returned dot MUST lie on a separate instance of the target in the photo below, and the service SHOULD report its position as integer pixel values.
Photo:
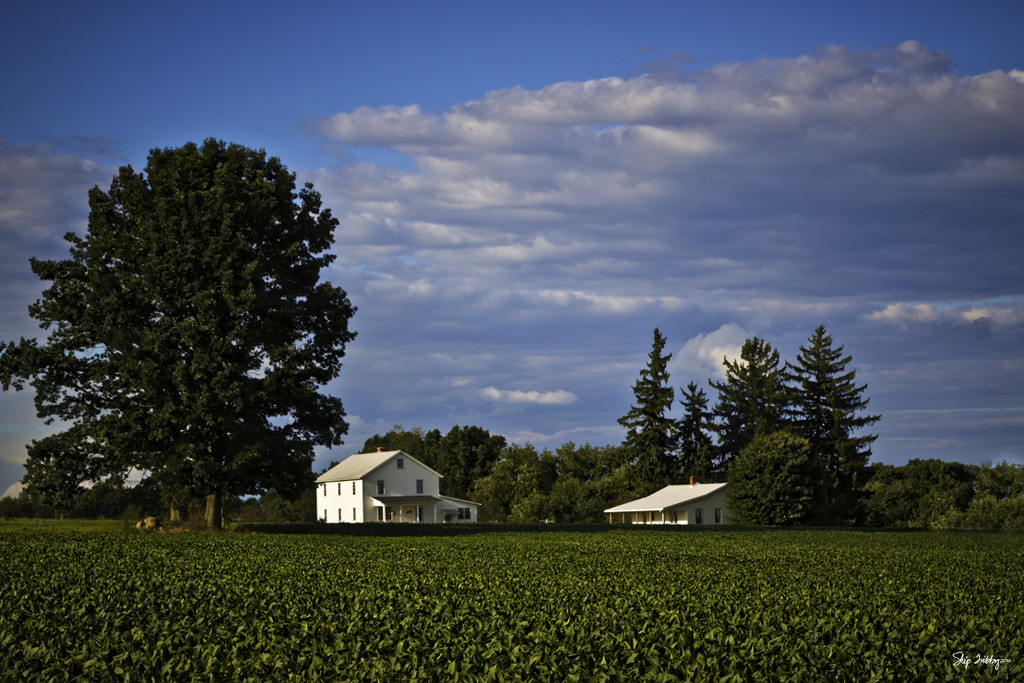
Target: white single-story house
(387, 486)
(678, 504)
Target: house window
(339, 514)
(339, 488)
(380, 514)
(419, 486)
(353, 488)
(325, 513)
(380, 487)
(699, 515)
(464, 513)
(353, 514)
(419, 513)
(401, 463)
(718, 515)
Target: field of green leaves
(620, 605)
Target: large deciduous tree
(771, 481)
(828, 410)
(190, 333)
(651, 435)
(752, 400)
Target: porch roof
(401, 499)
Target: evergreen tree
(696, 450)
(651, 435)
(751, 401)
(189, 331)
(828, 410)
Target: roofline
(693, 500)
(675, 506)
(394, 454)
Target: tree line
(787, 436)
(189, 336)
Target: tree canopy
(189, 332)
(771, 481)
(462, 456)
(751, 401)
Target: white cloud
(903, 314)
(560, 397)
(14, 490)
(806, 164)
(610, 303)
(777, 194)
(702, 356)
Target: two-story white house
(387, 486)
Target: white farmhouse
(387, 486)
(679, 504)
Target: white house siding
(401, 481)
(448, 510)
(333, 497)
(708, 506)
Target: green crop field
(621, 605)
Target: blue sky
(527, 189)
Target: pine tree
(751, 401)
(651, 435)
(827, 410)
(695, 446)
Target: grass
(59, 525)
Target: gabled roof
(668, 498)
(359, 465)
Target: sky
(526, 190)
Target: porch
(407, 509)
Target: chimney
(380, 448)
(691, 480)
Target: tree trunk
(214, 503)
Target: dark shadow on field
(405, 530)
